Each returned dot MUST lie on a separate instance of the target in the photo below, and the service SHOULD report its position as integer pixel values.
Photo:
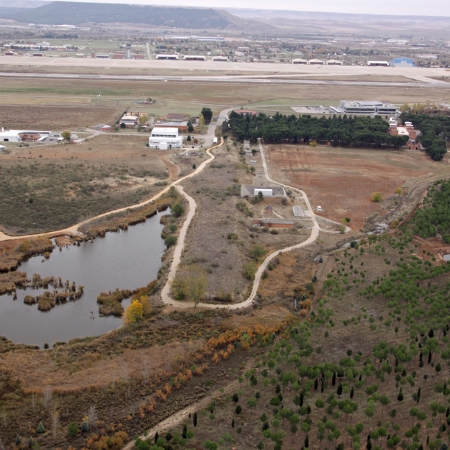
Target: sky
(389, 7)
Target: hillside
(74, 13)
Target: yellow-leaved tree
(134, 313)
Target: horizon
(382, 7)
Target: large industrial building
(403, 62)
(367, 107)
(165, 138)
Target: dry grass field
(55, 118)
(342, 180)
(51, 187)
(221, 94)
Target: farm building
(378, 63)
(175, 117)
(267, 191)
(103, 127)
(181, 126)
(299, 61)
(165, 138)
(129, 121)
(167, 57)
(403, 62)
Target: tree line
(435, 132)
(434, 217)
(338, 130)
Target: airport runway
(223, 79)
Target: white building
(23, 135)
(165, 138)
(167, 57)
(367, 107)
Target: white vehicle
(215, 140)
(319, 209)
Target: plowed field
(342, 180)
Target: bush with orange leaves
(161, 395)
(114, 442)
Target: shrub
(72, 429)
(177, 209)
(399, 191)
(257, 252)
(376, 197)
(249, 270)
(41, 428)
(170, 240)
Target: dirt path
(183, 415)
(174, 170)
(165, 293)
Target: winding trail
(165, 293)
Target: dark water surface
(126, 260)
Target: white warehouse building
(165, 138)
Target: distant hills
(77, 13)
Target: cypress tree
(400, 395)
(339, 389)
(429, 357)
(184, 431)
(156, 437)
(352, 392)
(232, 423)
(195, 419)
(333, 380)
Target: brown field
(55, 118)
(342, 180)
